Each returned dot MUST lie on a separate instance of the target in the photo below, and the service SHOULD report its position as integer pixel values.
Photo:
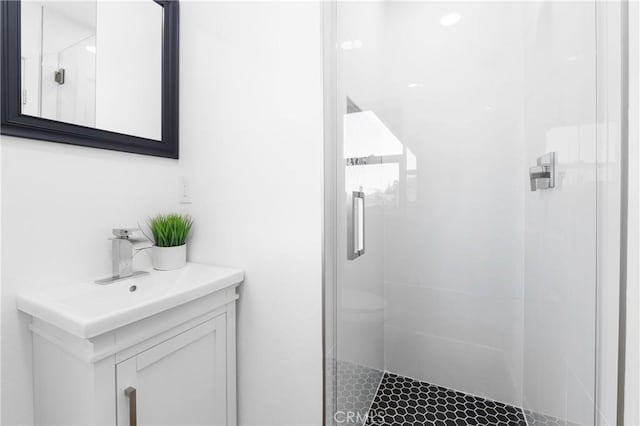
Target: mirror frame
(14, 123)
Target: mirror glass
(94, 63)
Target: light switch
(185, 190)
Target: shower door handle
(355, 226)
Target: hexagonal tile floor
(537, 419)
(356, 388)
(401, 401)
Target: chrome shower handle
(536, 176)
(355, 226)
(542, 175)
(540, 171)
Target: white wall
(251, 87)
(251, 139)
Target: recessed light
(450, 19)
(91, 49)
(351, 44)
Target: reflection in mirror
(58, 58)
(94, 63)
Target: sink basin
(87, 309)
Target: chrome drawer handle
(130, 392)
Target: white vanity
(156, 349)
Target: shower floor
(404, 401)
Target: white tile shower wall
(251, 126)
(560, 271)
(454, 227)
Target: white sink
(88, 309)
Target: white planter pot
(169, 258)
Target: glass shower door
(466, 212)
(366, 179)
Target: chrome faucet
(124, 247)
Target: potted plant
(170, 234)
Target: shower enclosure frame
(612, 147)
(329, 211)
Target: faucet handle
(124, 233)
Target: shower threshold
(404, 401)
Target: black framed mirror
(95, 73)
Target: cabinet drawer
(181, 381)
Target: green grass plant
(170, 230)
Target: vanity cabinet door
(181, 381)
